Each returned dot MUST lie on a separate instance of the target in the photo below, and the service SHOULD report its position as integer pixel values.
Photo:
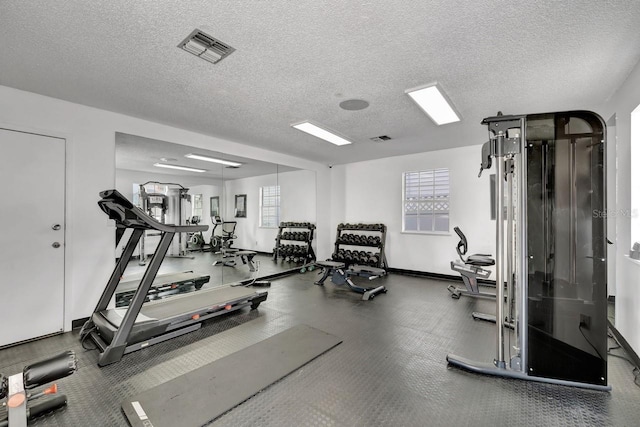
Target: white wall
(373, 194)
(297, 203)
(297, 196)
(90, 135)
(622, 103)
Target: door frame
(66, 288)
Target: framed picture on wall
(214, 206)
(241, 206)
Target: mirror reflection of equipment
(166, 208)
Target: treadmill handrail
(121, 210)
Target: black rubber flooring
(390, 369)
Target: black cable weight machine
(551, 248)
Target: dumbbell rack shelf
(299, 248)
(369, 235)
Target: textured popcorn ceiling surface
(298, 60)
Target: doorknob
(56, 227)
(55, 245)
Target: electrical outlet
(585, 321)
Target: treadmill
(118, 331)
(162, 286)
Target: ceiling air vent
(380, 138)
(206, 47)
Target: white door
(32, 175)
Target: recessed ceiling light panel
(432, 101)
(182, 168)
(321, 133)
(206, 47)
(212, 159)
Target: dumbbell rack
(301, 251)
(374, 237)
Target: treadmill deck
(165, 310)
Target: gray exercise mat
(200, 396)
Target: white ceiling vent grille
(380, 138)
(206, 47)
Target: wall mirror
(272, 194)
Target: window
(270, 206)
(634, 209)
(425, 204)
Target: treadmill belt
(200, 396)
(160, 280)
(195, 301)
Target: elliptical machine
(195, 241)
(221, 243)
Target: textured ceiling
(297, 60)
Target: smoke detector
(206, 47)
(380, 138)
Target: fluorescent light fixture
(318, 132)
(212, 159)
(182, 168)
(432, 101)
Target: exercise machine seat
(480, 260)
(470, 268)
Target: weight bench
(340, 276)
(230, 259)
(19, 394)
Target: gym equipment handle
(49, 370)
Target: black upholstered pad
(330, 264)
(480, 260)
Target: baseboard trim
(78, 323)
(625, 345)
(427, 274)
